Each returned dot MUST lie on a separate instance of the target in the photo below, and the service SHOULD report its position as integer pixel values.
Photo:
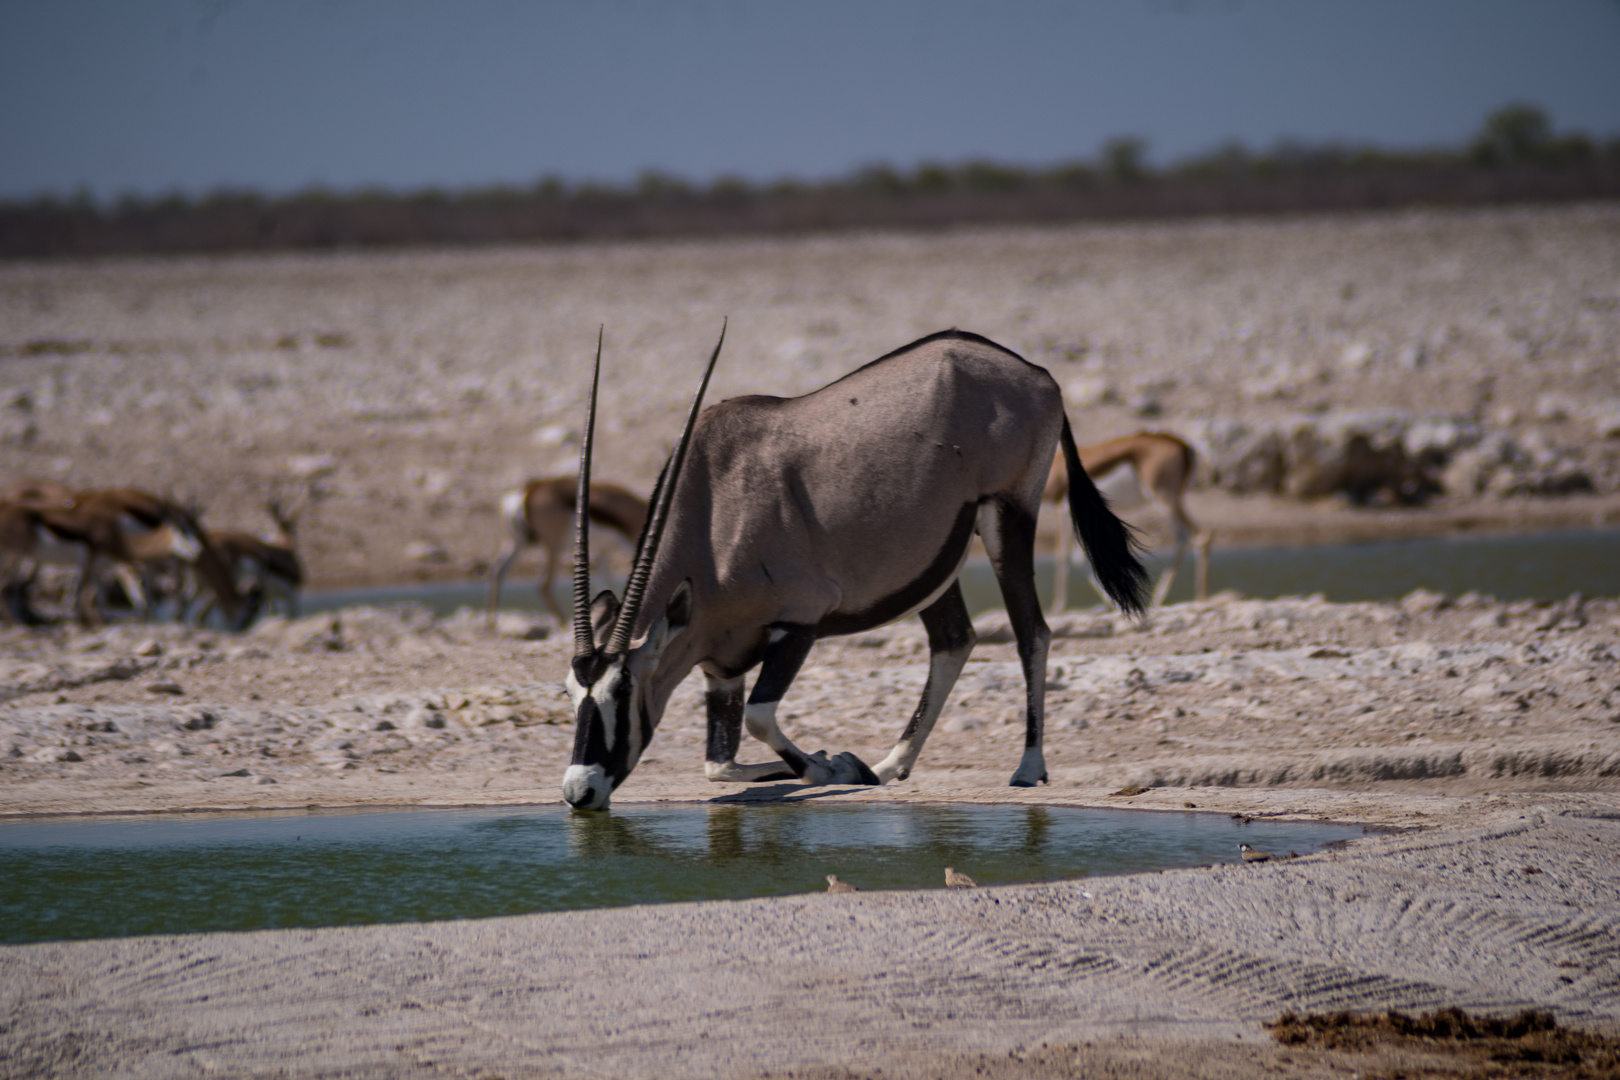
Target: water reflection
(62, 880)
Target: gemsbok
(540, 512)
(778, 521)
(1134, 470)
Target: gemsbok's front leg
(724, 703)
(950, 640)
(785, 653)
(1008, 531)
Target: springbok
(268, 565)
(1133, 470)
(126, 527)
(778, 521)
(540, 512)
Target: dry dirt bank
(415, 387)
(378, 706)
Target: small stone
(423, 717)
(383, 725)
(238, 772)
(197, 719)
(264, 779)
(149, 648)
(164, 686)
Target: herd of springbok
(130, 547)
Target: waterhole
(1540, 566)
(167, 874)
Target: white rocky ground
(376, 706)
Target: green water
(165, 874)
(1539, 566)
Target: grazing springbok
(778, 521)
(264, 565)
(540, 512)
(124, 527)
(1133, 470)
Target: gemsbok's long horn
(637, 585)
(583, 642)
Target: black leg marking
(950, 628)
(724, 705)
(784, 656)
(1014, 564)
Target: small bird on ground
(955, 879)
(836, 885)
(1254, 854)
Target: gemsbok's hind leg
(724, 702)
(950, 640)
(1008, 531)
(784, 655)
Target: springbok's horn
(583, 642)
(637, 585)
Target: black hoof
(864, 775)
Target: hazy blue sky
(154, 95)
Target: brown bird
(835, 885)
(955, 879)
(1254, 854)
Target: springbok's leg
(1162, 589)
(724, 703)
(784, 655)
(1202, 543)
(84, 603)
(546, 580)
(950, 640)
(497, 574)
(1008, 531)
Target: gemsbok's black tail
(1110, 544)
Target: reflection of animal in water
(955, 879)
(125, 529)
(1130, 471)
(829, 514)
(835, 884)
(540, 513)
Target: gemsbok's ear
(677, 615)
(604, 609)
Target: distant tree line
(1515, 158)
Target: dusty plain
(410, 389)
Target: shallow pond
(84, 878)
(1540, 566)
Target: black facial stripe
(589, 746)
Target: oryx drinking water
(778, 521)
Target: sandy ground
(412, 388)
(1494, 730)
